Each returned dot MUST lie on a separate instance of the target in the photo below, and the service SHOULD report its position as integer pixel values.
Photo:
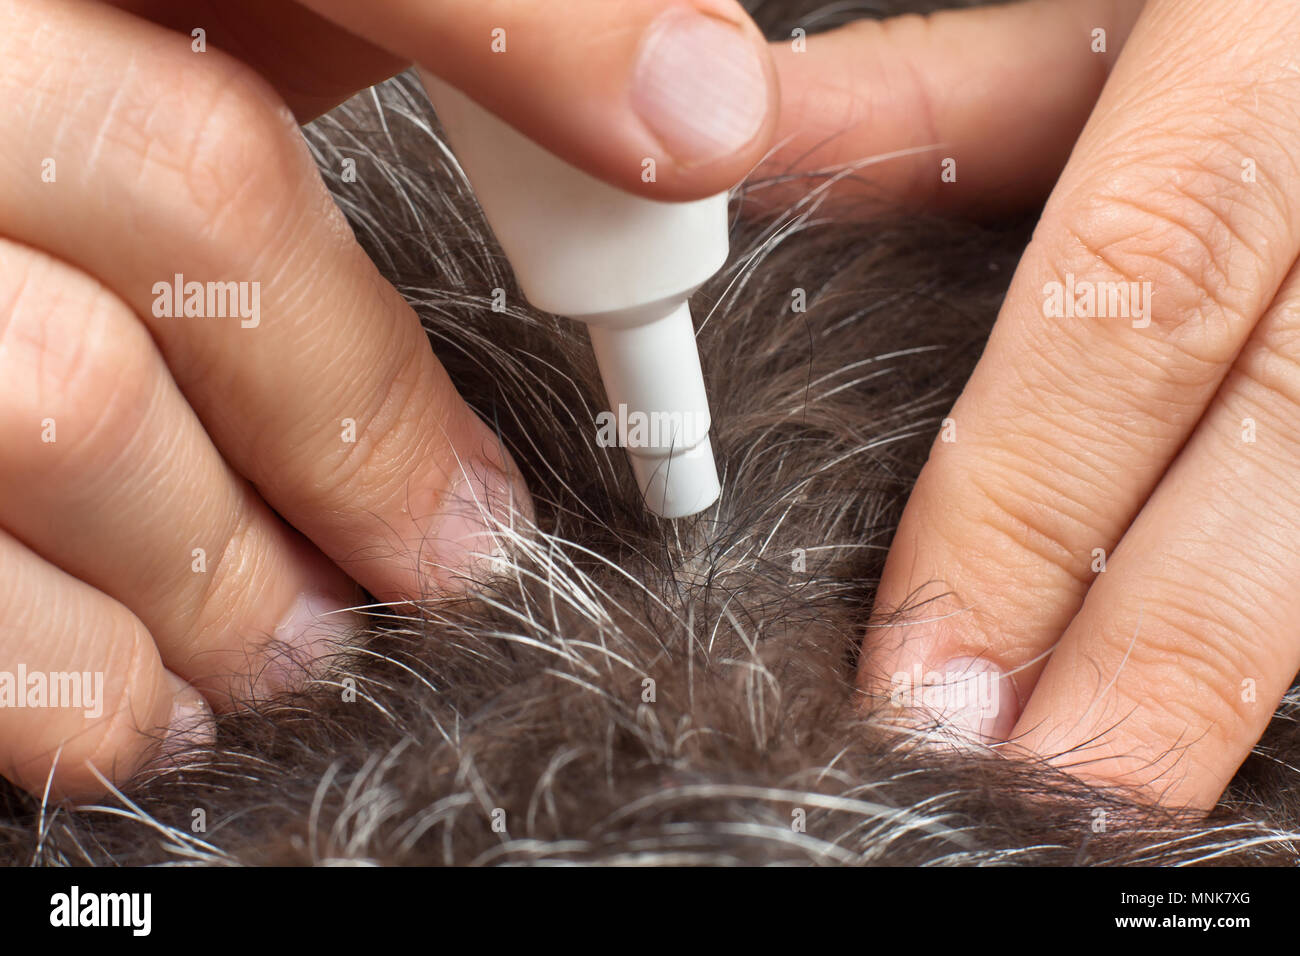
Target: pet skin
(621, 689)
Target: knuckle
(239, 141)
(228, 146)
(235, 577)
(911, 93)
(75, 356)
(1015, 518)
(1184, 237)
(393, 435)
(1193, 669)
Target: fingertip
(114, 747)
(673, 101)
(965, 705)
(486, 506)
(190, 724)
(704, 86)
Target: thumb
(687, 84)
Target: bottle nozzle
(656, 395)
(623, 264)
(680, 484)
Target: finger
(975, 110)
(81, 683)
(1069, 421)
(1185, 645)
(686, 83)
(310, 373)
(101, 450)
(313, 64)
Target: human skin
(1074, 433)
(173, 431)
(178, 490)
(1165, 446)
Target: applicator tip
(678, 485)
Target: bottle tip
(680, 484)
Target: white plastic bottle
(623, 265)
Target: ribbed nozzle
(678, 485)
(656, 396)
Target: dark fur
(527, 695)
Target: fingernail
(473, 527)
(968, 700)
(314, 627)
(191, 724)
(700, 86)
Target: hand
(186, 500)
(687, 83)
(1107, 532)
